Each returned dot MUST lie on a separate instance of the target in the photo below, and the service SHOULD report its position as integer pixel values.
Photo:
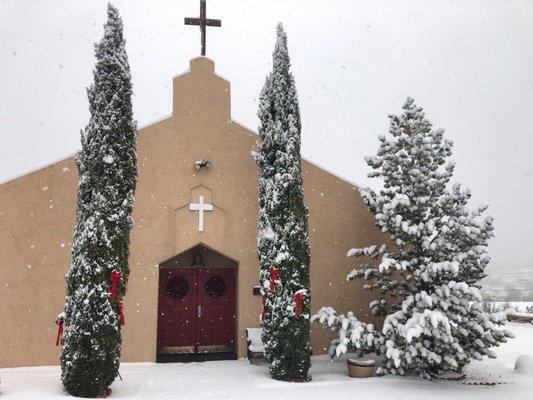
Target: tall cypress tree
(108, 173)
(282, 226)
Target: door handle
(199, 311)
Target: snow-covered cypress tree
(282, 226)
(435, 322)
(108, 173)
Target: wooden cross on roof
(203, 22)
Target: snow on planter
(524, 365)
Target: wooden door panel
(216, 325)
(176, 322)
(182, 327)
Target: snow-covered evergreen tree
(282, 227)
(428, 276)
(108, 172)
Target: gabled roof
(201, 65)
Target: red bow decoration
(274, 277)
(115, 278)
(59, 322)
(298, 301)
(121, 313)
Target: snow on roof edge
(356, 185)
(313, 163)
(33, 170)
(64, 158)
(156, 121)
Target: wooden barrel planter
(360, 368)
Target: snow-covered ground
(519, 306)
(240, 380)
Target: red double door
(196, 311)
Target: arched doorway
(196, 306)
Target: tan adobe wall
(37, 214)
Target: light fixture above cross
(200, 207)
(203, 22)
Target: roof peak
(202, 64)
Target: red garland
(274, 277)
(298, 300)
(121, 313)
(115, 278)
(59, 322)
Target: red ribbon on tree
(115, 278)
(121, 313)
(298, 301)
(274, 277)
(59, 322)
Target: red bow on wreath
(274, 277)
(115, 279)
(298, 301)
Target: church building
(194, 266)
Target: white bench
(255, 344)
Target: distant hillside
(508, 283)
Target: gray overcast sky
(468, 63)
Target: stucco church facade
(193, 257)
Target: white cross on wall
(200, 207)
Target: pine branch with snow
(428, 275)
(283, 243)
(108, 173)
